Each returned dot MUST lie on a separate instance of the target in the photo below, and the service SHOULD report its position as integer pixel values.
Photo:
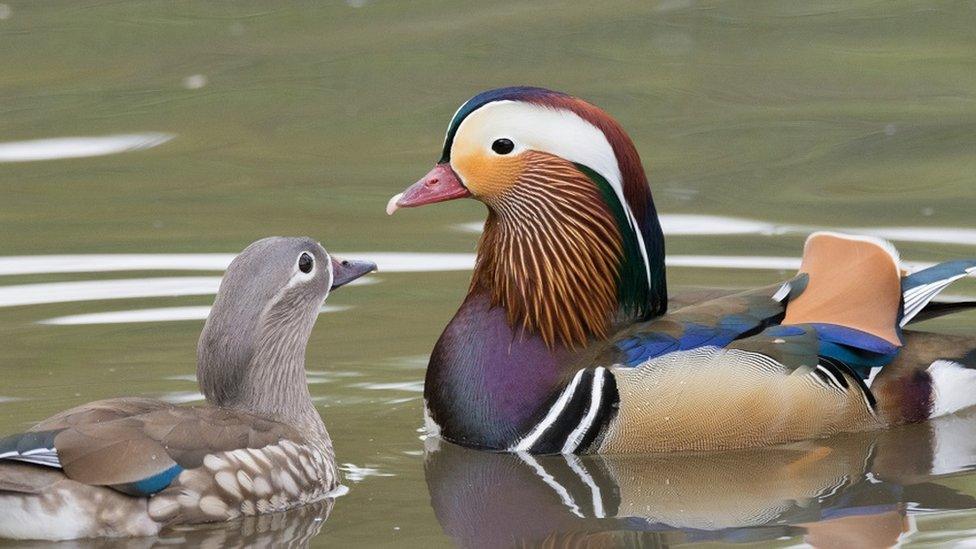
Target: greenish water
(304, 118)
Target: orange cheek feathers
(488, 176)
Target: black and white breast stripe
(836, 375)
(579, 414)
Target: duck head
(572, 241)
(251, 354)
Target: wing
(848, 285)
(139, 446)
(920, 288)
(716, 322)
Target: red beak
(439, 185)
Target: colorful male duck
(129, 466)
(563, 344)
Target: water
(144, 140)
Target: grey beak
(345, 271)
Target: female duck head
(263, 315)
(572, 238)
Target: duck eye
(503, 146)
(305, 263)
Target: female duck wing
(139, 454)
(37, 445)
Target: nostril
(431, 182)
(345, 262)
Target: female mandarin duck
(563, 343)
(129, 466)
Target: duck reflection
(856, 490)
(294, 528)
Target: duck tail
(920, 288)
(934, 375)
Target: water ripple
(714, 225)
(161, 314)
(390, 262)
(79, 147)
(127, 288)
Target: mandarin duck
(129, 466)
(564, 343)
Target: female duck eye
(503, 146)
(305, 263)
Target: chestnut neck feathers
(550, 254)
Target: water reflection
(294, 528)
(860, 490)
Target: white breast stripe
(833, 381)
(574, 438)
(526, 443)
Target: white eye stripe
(555, 131)
(330, 269)
(299, 276)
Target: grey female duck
(130, 466)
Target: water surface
(142, 141)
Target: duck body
(564, 343)
(131, 466)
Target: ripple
(96, 263)
(162, 314)
(79, 147)
(409, 386)
(354, 473)
(714, 225)
(91, 290)
(182, 397)
(128, 288)
(390, 262)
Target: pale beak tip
(391, 206)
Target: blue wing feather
(150, 485)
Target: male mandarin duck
(563, 343)
(129, 466)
